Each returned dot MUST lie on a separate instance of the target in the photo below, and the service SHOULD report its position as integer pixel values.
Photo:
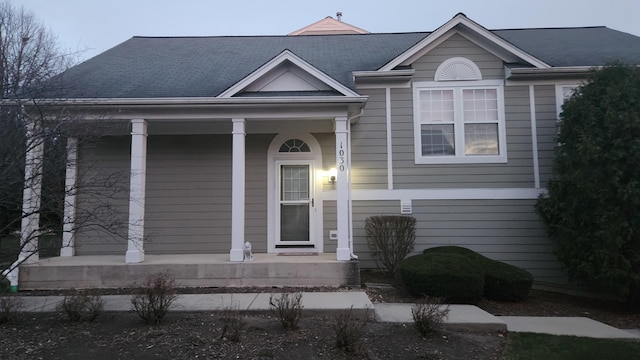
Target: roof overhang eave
(195, 102)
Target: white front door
(295, 203)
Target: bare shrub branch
(429, 315)
(82, 307)
(349, 328)
(288, 308)
(390, 239)
(155, 298)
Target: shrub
(153, 300)
(10, 306)
(428, 315)
(390, 239)
(506, 282)
(455, 250)
(232, 324)
(592, 207)
(82, 307)
(5, 285)
(288, 308)
(349, 329)
(502, 281)
(449, 276)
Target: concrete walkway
(461, 317)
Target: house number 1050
(341, 156)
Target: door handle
(312, 202)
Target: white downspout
(350, 201)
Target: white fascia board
(205, 101)
(443, 194)
(460, 19)
(287, 55)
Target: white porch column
(135, 244)
(69, 220)
(30, 224)
(343, 251)
(237, 190)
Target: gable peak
(329, 26)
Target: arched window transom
(294, 146)
(456, 69)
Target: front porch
(190, 270)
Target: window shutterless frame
(472, 126)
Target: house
(291, 142)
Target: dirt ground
(189, 335)
(197, 336)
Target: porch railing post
(68, 225)
(135, 243)
(237, 190)
(30, 224)
(343, 252)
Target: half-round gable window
(456, 69)
(294, 146)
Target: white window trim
(560, 96)
(460, 157)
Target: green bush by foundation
(502, 281)
(449, 276)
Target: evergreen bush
(592, 208)
(449, 276)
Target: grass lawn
(520, 346)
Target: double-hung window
(563, 93)
(459, 122)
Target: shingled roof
(159, 67)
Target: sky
(93, 26)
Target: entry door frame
(310, 202)
(314, 160)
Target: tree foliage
(35, 124)
(592, 209)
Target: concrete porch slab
(189, 270)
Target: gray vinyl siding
(256, 192)
(188, 206)
(369, 144)
(517, 172)
(546, 126)
(102, 200)
(188, 194)
(330, 221)
(505, 230)
(457, 45)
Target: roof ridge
(554, 28)
(269, 36)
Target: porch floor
(189, 270)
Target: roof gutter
(565, 72)
(386, 74)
